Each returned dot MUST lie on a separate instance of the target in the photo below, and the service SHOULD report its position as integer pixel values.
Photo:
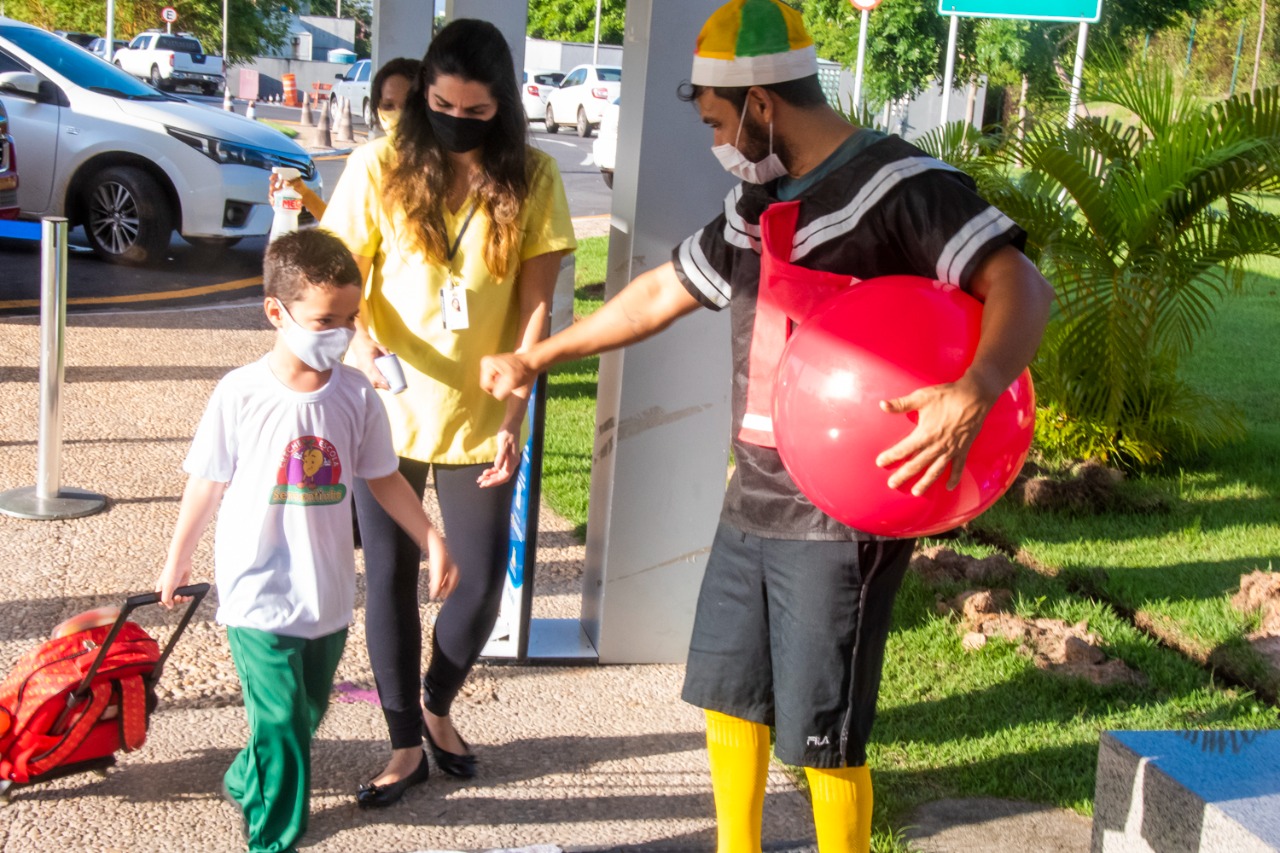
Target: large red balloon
(880, 339)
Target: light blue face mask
(736, 163)
(318, 350)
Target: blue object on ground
(17, 229)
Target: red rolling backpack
(72, 702)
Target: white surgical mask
(318, 350)
(736, 164)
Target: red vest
(788, 295)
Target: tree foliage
(575, 20)
(906, 42)
(1142, 217)
(252, 28)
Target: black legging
(476, 527)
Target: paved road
(195, 276)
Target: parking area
(197, 276)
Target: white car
(354, 86)
(129, 163)
(98, 47)
(8, 170)
(604, 151)
(536, 85)
(581, 98)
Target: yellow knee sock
(739, 754)
(841, 808)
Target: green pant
(286, 683)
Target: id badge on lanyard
(453, 299)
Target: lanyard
(461, 231)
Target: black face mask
(459, 134)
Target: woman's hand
(364, 350)
(505, 462)
(277, 183)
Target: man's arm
(1017, 301)
(651, 302)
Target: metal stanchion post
(47, 499)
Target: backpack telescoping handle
(196, 591)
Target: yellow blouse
(443, 416)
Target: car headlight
(236, 153)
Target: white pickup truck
(169, 61)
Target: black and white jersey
(889, 210)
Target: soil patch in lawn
(939, 564)
(1088, 488)
(1054, 645)
(1260, 593)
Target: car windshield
(609, 75)
(78, 65)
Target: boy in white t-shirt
(279, 446)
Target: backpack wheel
(4, 792)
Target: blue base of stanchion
(17, 229)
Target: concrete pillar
(400, 28)
(663, 406)
(511, 17)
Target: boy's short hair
(309, 258)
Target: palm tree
(1142, 218)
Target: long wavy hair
(421, 171)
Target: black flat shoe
(371, 796)
(461, 766)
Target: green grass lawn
(989, 723)
(288, 131)
(571, 401)
(1178, 569)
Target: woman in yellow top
(459, 225)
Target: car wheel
(552, 127)
(333, 109)
(156, 79)
(607, 174)
(366, 112)
(127, 218)
(584, 126)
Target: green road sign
(1088, 11)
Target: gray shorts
(791, 634)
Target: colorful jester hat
(753, 43)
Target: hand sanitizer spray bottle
(288, 203)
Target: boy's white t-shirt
(284, 555)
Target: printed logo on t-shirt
(310, 474)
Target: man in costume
(795, 607)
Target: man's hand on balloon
(948, 418)
(501, 374)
